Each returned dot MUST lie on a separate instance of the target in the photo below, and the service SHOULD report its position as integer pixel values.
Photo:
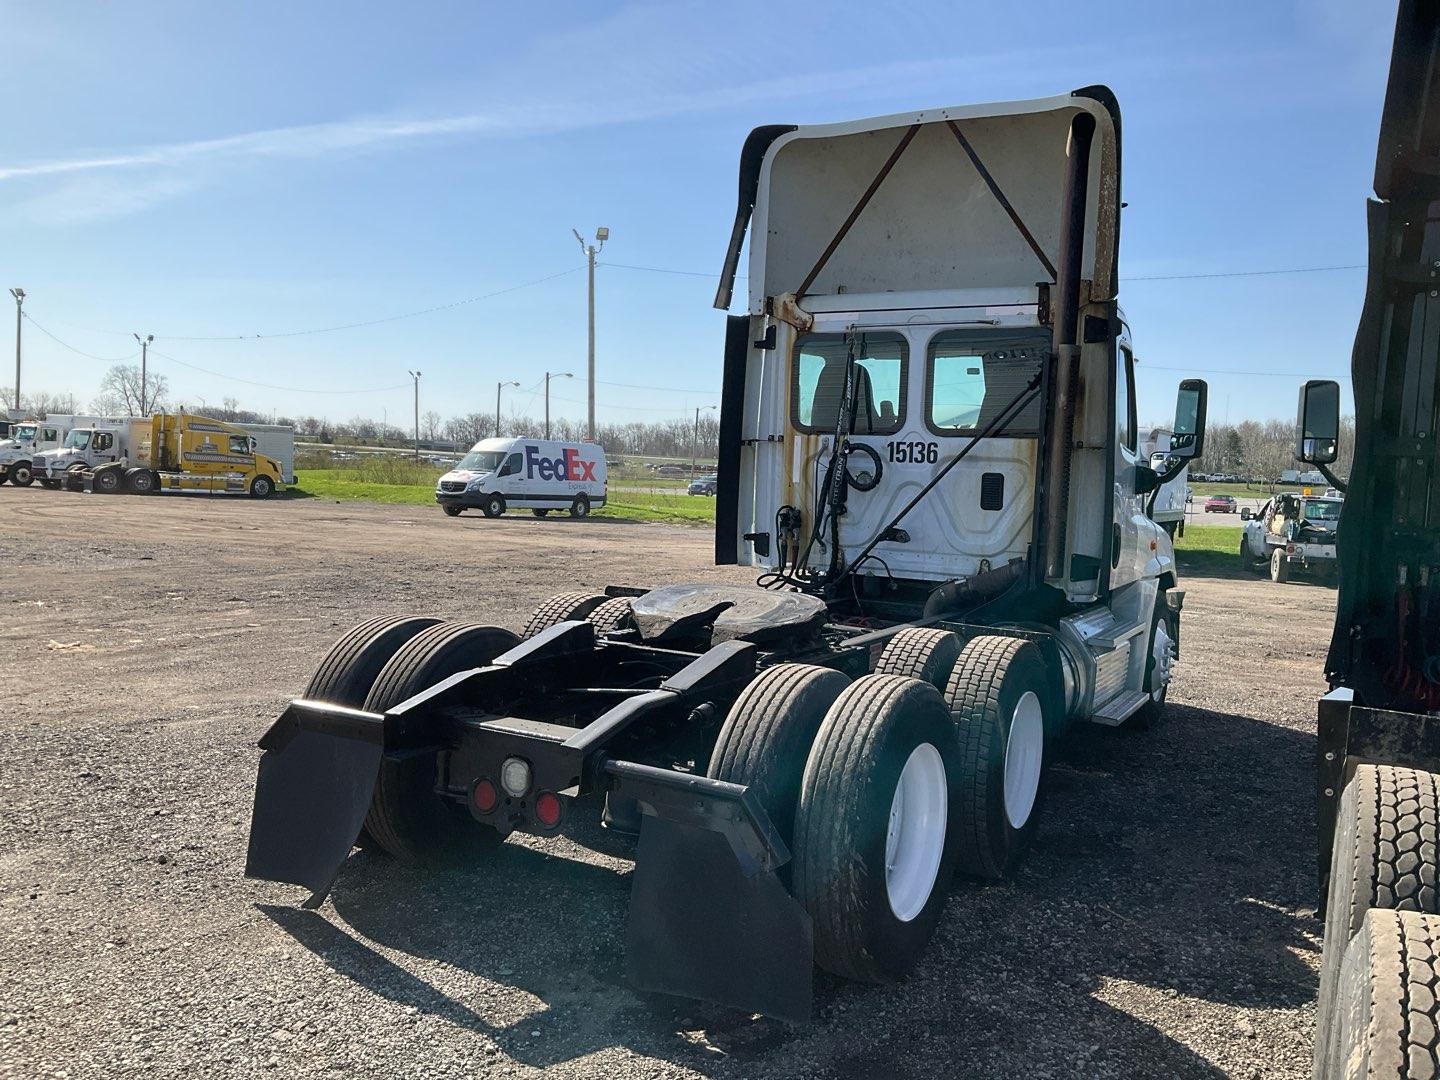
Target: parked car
(672, 471)
(703, 485)
(1220, 504)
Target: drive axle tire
(141, 482)
(406, 818)
(1386, 831)
(21, 475)
(874, 826)
(566, 607)
(451, 511)
(1385, 1020)
(493, 506)
(1279, 566)
(612, 616)
(354, 662)
(108, 481)
(921, 653)
(1000, 696)
(767, 735)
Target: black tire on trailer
(563, 608)
(452, 511)
(581, 506)
(767, 735)
(407, 819)
(873, 915)
(612, 616)
(1279, 566)
(21, 474)
(540, 512)
(493, 506)
(1386, 830)
(1002, 697)
(141, 482)
(921, 653)
(1385, 1017)
(108, 481)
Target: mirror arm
(1335, 482)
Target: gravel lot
(1164, 925)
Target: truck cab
(1292, 532)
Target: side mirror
(1245, 514)
(1317, 427)
(1189, 427)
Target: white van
(532, 474)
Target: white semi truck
(929, 453)
(30, 437)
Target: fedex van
(530, 474)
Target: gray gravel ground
(1163, 926)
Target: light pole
(416, 376)
(591, 250)
(19, 295)
(548, 377)
(695, 439)
(498, 387)
(144, 357)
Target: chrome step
(1120, 708)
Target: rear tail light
(547, 809)
(485, 796)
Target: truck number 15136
(913, 453)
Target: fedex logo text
(568, 466)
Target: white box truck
(531, 474)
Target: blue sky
(198, 170)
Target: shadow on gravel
(1173, 873)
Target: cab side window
(104, 441)
(50, 434)
(240, 444)
(511, 466)
(1125, 419)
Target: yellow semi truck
(167, 452)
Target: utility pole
(591, 250)
(144, 357)
(416, 376)
(548, 377)
(695, 439)
(19, 295)
(498, 387)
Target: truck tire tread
(612, 616)
(921, 653)
(562, 608)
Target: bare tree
(430, 426)
(120, 392)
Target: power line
(272, 386)
(666, 389)
(1222, 371)
(1141, 277)
(72, 348)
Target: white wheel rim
(915, 834)
(1024, 755)
(1164, 662)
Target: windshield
(78, 439)
(482, 460)
(1321, 511)
(24, 432)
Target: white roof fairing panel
(933, 225)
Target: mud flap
(316, 780)
(709, 918)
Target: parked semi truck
(1170, 501)
(933, 463)
(1378, 753)
(165, 452)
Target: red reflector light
(485, 796)
(547, 809)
